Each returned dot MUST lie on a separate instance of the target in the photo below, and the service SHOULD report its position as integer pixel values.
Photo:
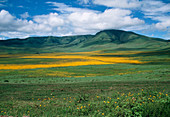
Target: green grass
(86, 99)
(31, 92)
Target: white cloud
(52, 19)
(152, 7)
(63, 8)
(8, 22)
(157, 11)
(5, 15)
(164, 23)
(2, 38)
(83, 1)
(72, 21)
(118, 3)
(14, 34)
(111, 18)
(2, 3)
(25, 15)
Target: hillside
(103, 40)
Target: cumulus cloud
(164, 22)
(110, 18)
(52, 19)
(25, 15)
(118, 3)
(71, 21)
(86, 21)
(50, 24)
(157, 11)
(9, 24)
(152, 7)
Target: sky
(27, 18)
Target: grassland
(96, 83)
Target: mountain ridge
(102, 40)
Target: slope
(103, 40)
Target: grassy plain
(97, 83)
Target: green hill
(104, 40)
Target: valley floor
(119, 83)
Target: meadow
(97, 83)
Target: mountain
(103, 40)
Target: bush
(6, 80)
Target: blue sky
(25, 18)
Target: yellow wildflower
(166, 94)
(102, 113)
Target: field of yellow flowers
(92, 84)
(67, 59)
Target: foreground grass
(140, 103)
(147, 98)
